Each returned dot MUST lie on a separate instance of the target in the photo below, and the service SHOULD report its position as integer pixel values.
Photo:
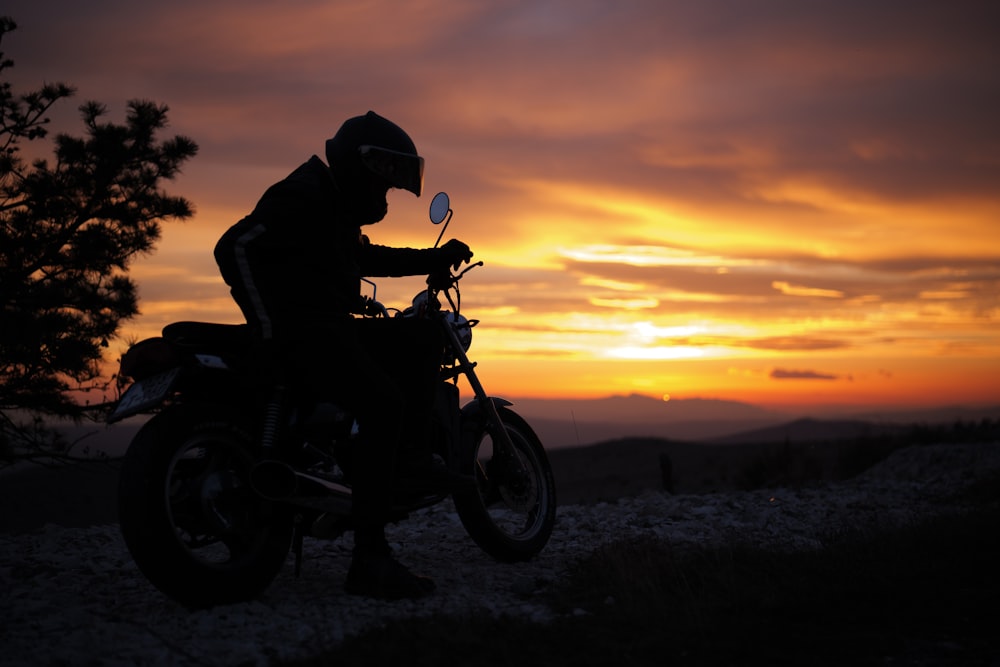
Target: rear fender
(206, 379)
(146, 394)
(149, 357)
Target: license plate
(144, 394)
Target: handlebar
(373, 308)
(442, 280)
(438, 282)
(469, 268)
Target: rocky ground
(71, 595)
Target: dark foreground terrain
(723, 565)
(923, 595)
(920, 594)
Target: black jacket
(296, 262)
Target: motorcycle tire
(512, 512)
(190, 520)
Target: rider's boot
(376, 574)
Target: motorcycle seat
(193, 333)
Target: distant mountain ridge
(644, 408)
(571, 422)
(814, 430)
(581, 422)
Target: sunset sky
(778, 202)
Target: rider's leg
(374, 572)
(357, 380)
(410, 352)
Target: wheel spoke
(511, 488)
(213, 513)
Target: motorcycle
(228, 476)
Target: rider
(294, 266)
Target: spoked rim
(513, 492)
(214, 514)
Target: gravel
(74, 596)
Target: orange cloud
(661, 191)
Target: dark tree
(68, 232)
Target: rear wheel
(190, 520)
(512, 512)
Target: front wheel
(188, 515)
(512, 512)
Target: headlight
(419, 301)
(462, 327)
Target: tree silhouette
(68, 232)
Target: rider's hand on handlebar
(440, 280)
(454, 252)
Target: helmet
(370, 144)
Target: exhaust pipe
(280, 482)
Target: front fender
(475, 417)
(473, 414)
(475, 423)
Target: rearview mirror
(440, 208)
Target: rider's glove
(440, 280)
(454, 252)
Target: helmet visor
(401, 170)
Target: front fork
(494, 425)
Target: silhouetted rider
(295, 265)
